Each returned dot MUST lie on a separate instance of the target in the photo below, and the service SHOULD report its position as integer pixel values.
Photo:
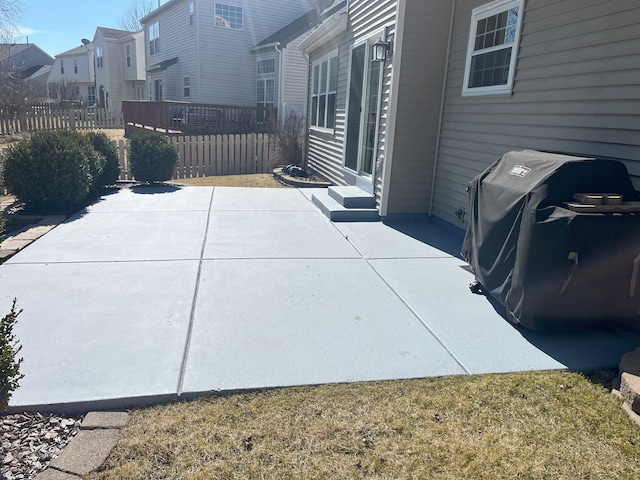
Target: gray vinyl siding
(294, 78)
(576, 90)
(326, 149)
(218, 61)
(418, 85)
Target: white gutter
(333, 25)
(280, 82)
(441, 115)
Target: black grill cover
(551, 267)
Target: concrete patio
(157, 293)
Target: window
(154, 38)
(99, 60)
(266, 66)
(140, 92)
(187, 86)
(75, 65)
(323, 94)
(77, 90)
(228, 16)
(53, 91)
(62, 67)
(128, 54)
(91, 94)
(192, 14)
(493, 48)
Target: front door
(363, 114)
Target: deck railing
(195, 118)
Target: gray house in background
(282, 69)
(29, 61)
(201, 51)
(119, 67)
(72, 76)
(464, 82)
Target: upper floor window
(187, 86)
(192, 14)
(154, 38)
(75, 65)
(324, 84)
(62, 67)
(228, 16)
(128, 54)
(99, 58)
(493, 48)
(266, 66)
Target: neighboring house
(29, 61)
(466, 81)
(119, 67)
(201, 51)
(282, 69)
(72, 76)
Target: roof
(7, 49)
(296, 28)
(82, 49)
(112, 33)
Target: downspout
(280, 81)
(445, 78)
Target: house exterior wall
(367, 19)
(83, 79)
(294, 80)
(218, 60)
(326, 147)
(576, 90)
(419, 60)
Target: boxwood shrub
(107, 148)
(53, 171)
(152, 157)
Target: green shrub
(10, 375)
(52, 170)
(152, 157)
(107, 148)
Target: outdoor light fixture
(382, 49)
(379, 50)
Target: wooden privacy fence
(209, 155)
(54, 117)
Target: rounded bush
(106, 147)
(152, 157)
(52, 170)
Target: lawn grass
(535, 425)
(257, 180)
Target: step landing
(346, 204)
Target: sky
(58, 25)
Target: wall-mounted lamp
(381, 50)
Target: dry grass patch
(258, 180)
(550, 425)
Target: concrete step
(339, 213)
(352, 197)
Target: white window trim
(186, 86)
(215, 5)
(478, 14)
(154, 38)
(320, 61)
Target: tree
(130, 19)
(10, 12)
(66, 91)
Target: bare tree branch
(10, 13)
(137, 9)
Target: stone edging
(296, 182)
(88, 450)
(16, 241)
(627, 386)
